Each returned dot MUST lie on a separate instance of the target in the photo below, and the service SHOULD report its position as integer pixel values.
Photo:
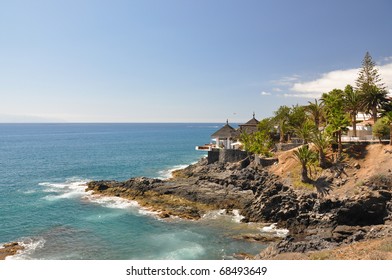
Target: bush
(380, 181)
(381, 129)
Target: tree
(321, 142)
(305, 157)
(368, 75)
(381, 128)
(281, 118)
(388, 118)
(372, 99)
(373, 92)
(315, 110)
(297, 118)
(305, 131)
(352, 102)
(337, 120)
(259, 142)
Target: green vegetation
(259, 142)
(337, 119)
(372, 90)
(381, 128)
(324, 121)
(388, 120)
(352, 103)
(306, 157)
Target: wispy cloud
(277, 89)
(335, 79)
(286, 81)
(264, 93)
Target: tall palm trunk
(374, 113)
(322, 159)
(354, 123)
(304, 174)
(340, 146)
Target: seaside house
(225, 136)
(364, 129)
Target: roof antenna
(253, 114)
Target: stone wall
(264, 162)
(224, 156)
(286, 146)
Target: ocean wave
(190, 251)
(234, 216)
(76, 189)
(273, 229)
(30, 246)
(112, 201)
(167, 173)
(66, 190)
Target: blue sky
(181, 61)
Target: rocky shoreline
(315, 222)
(10, 249)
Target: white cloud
(277, 89)
(286, 81)
(335, 79)
(264, 93)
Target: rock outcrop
(10, 249)
(315, 221)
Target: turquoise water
(44, 168)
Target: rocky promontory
(316, 217)
(10, 249)
(191, 192)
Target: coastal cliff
(335, 212)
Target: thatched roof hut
(226, 132)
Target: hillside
(365, 176)
(361, 162)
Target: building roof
(226, 131)
(251, 122)
(250, 126)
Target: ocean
(43, 203)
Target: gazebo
(225, 136)
(250, 126)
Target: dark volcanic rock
(315, 222)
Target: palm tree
(316, 112)
(321, 141)
(282, 118)
(372, 98)
(352, 102)
(306, 157)
(305, 131)
(337, 121)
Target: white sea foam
(273, 229)
(214, 214)
(167, 173)
(237, 217)
(112, 201)
(234, 216)
(30, 246)
(66, 190)
(191, 251)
